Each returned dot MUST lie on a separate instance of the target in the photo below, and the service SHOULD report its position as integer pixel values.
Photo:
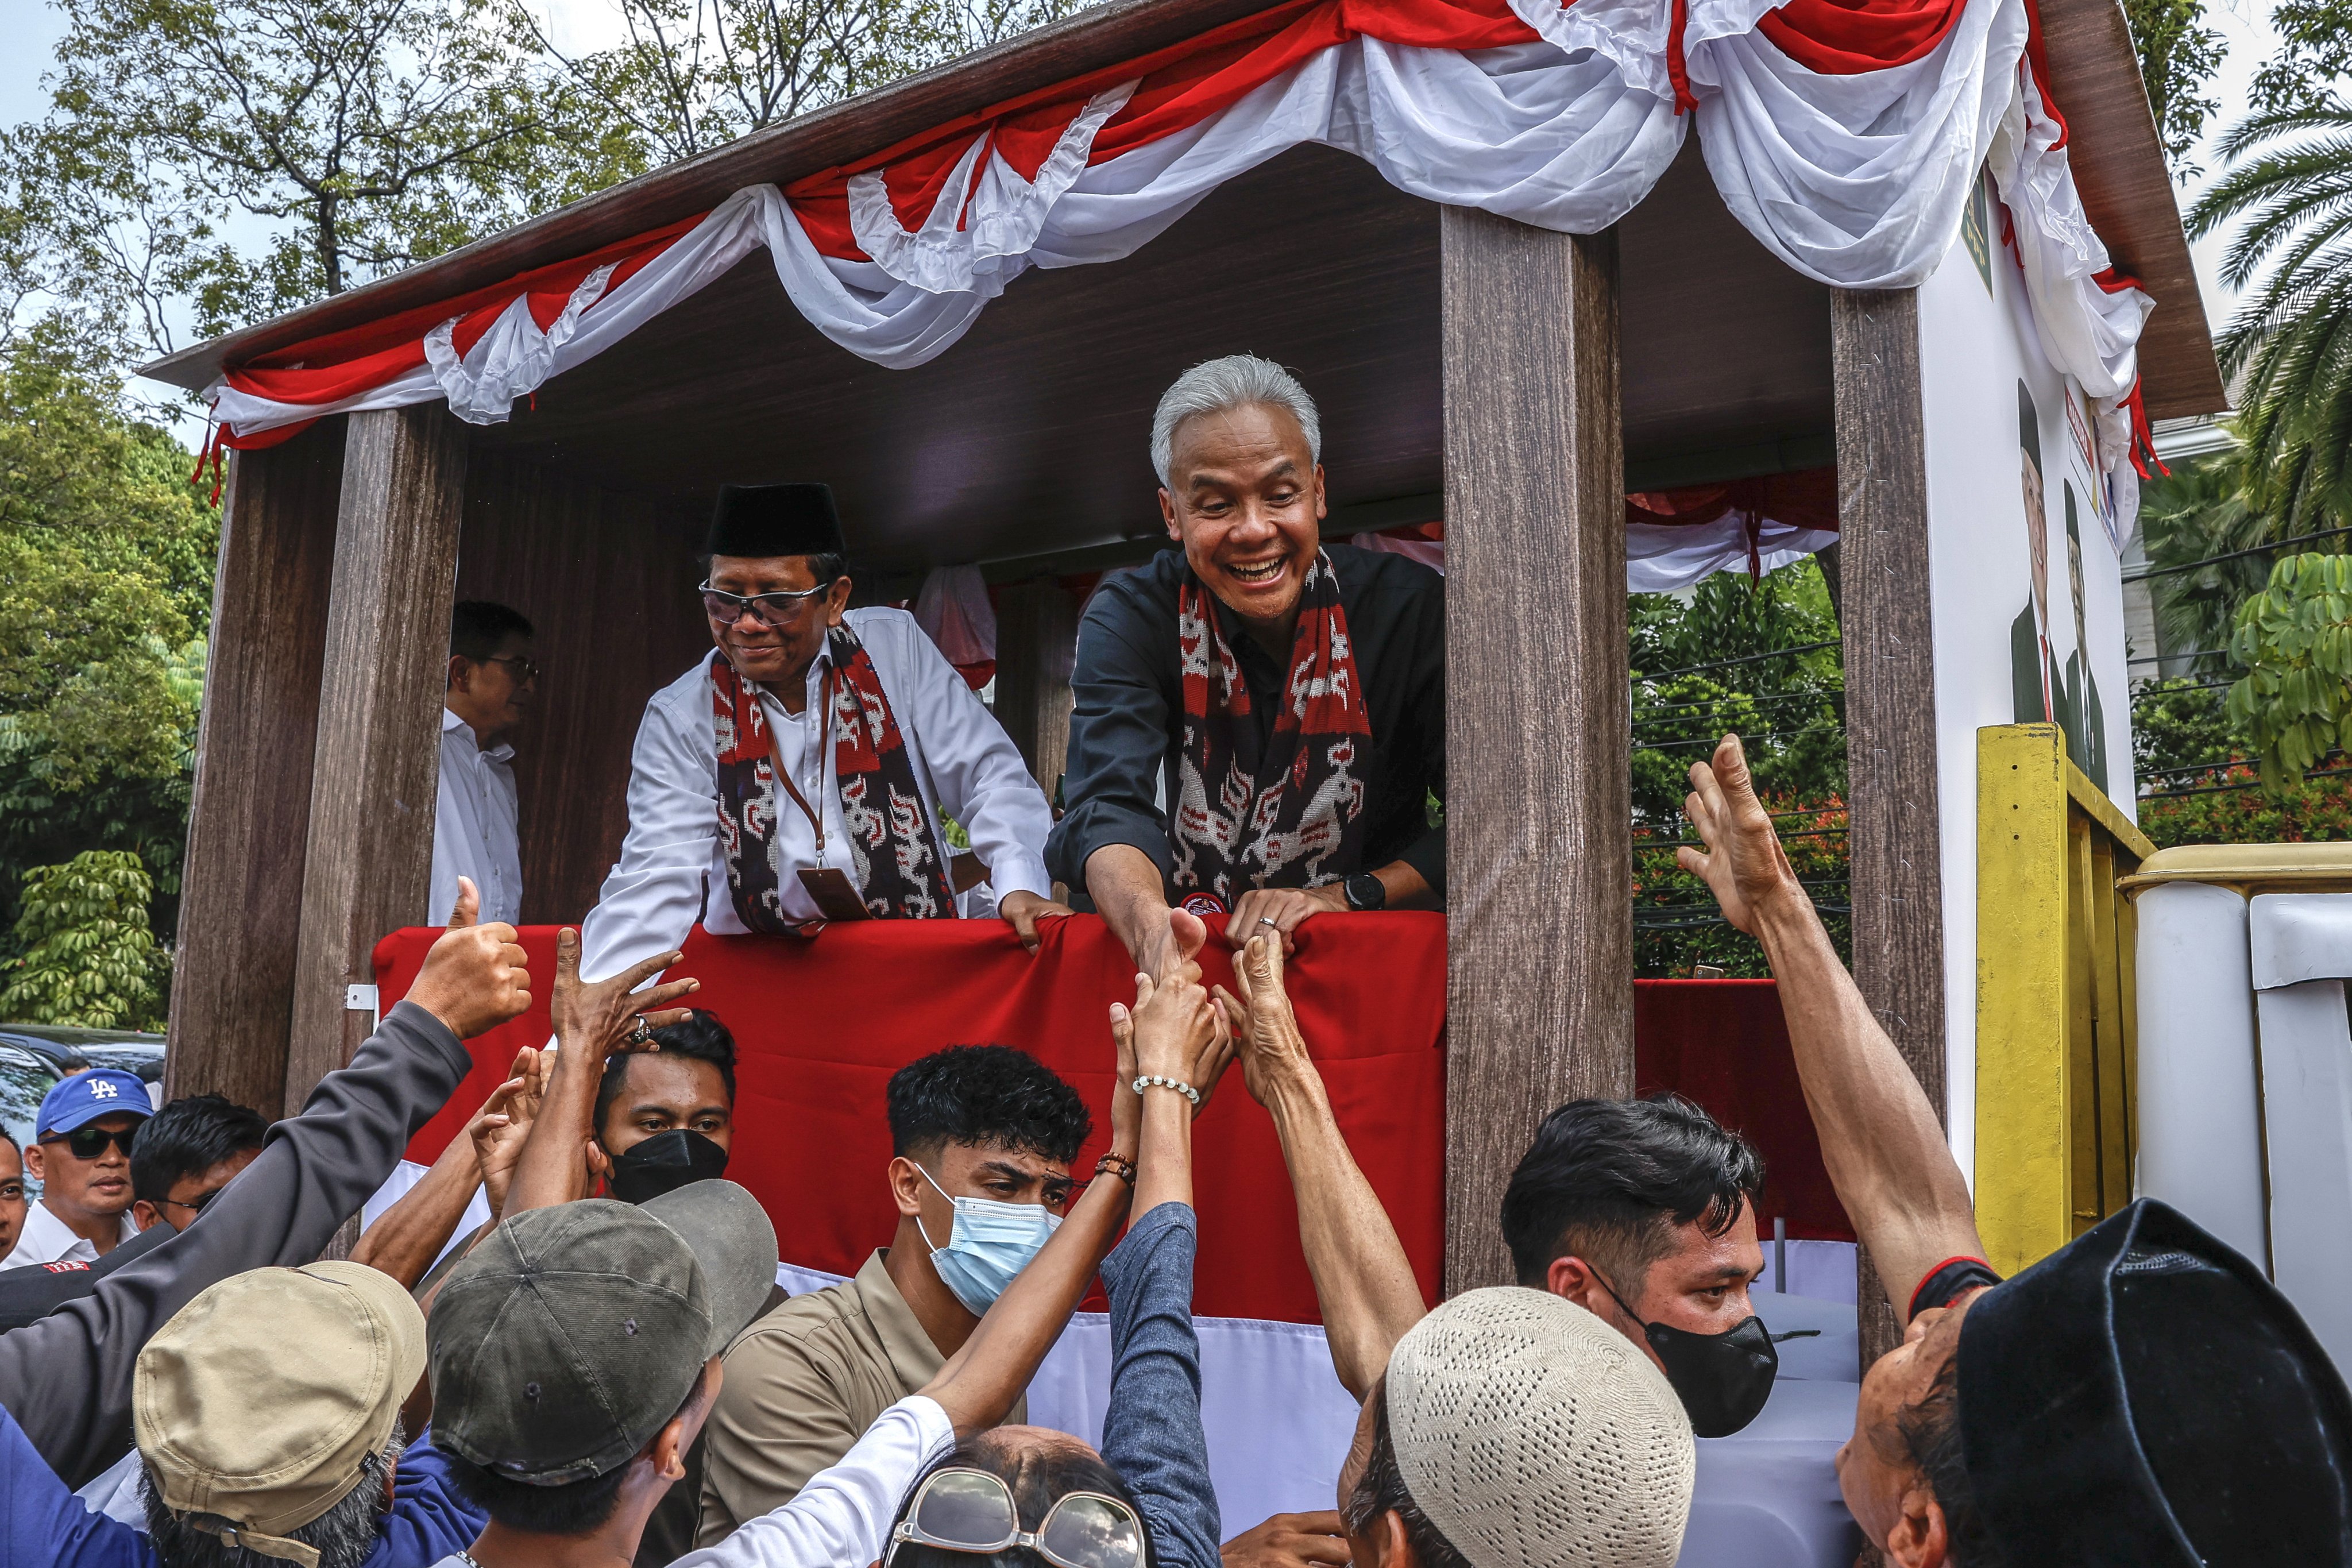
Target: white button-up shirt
(475, 830)
(46, 1238)
(673, 865)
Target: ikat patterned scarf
(895, 858)
(1291, 817)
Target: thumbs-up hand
(477, 976)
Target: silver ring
(639, 1034)
(1268, 920)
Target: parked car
(34, 1057)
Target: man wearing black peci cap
(2141, 1399)
(802, 769)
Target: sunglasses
(961, 1509)
(196, 1205)
(772, 609)
(89, 1143)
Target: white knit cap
(1534, 1436)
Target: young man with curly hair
(982, 1138)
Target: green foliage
(88, 958)
(2178, 56)
(2179, 724)
(2294, 642)
(2288, 349)
(2315, 54)
(695, 74)
(1789, 711)
(2232, 808)
(106, 557)
(2197, 512)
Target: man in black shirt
(1259, 722)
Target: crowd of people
(607, 1371)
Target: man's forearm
(1132, 900)
(407, 1236)
(1363, 1282)
(1881, 1142)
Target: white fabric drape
(1854, 179)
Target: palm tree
(2198, 513)
(2288, 350)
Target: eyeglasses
(772, 609)
(525, 672)
(961, 1509)
(196, 1205)
(89, 1143)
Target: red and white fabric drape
(1844, 136)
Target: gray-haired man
(1259, 721)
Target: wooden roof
(2117, 161)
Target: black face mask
(1723, 1379)
(665, 1162)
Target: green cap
(574, 1334)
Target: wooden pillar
(1036, 635)
(240, 893)
(1896, 862)
(377, 760)
(1540, 948)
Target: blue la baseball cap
(89, 1095)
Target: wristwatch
(1365, 892)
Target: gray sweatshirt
(66, 1378)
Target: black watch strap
(1365, 892)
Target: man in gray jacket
(66, 1377)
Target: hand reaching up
(1743, 864)
(1174, 1031)
(1273, 1052)
(601, 1016)
(474, 977)
(503, 1124)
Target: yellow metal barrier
(2055, 1122)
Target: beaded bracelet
(1117, 1165)
(1153, 1080)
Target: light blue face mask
(991, 1243)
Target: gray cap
(574, 1334)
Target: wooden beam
(1897, 861)
(378, 755)
(1036, 637)
(1540, 948)
(233, 985)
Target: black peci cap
(2143, 1397)
(774, 520)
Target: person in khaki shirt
(982, 1136)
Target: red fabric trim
(2115, 282)
(337, 365)
(274, 435)
(1911, 1308)
(1806, 499)
(1677, 67)
(2143, 446)
(1178, 87)
(1850, 38)
(2037, 55)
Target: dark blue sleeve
(42, 1521)
(430, 1518)
(1152, 1433)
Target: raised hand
(501, 1127)
(474, 977)
(1266, 1030)
(1177, 1032)
(601, 1016)
(1743, 864)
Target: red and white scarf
(895, 860)
(1292, 817)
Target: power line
(1748, 659)
(1820, 695)
(1713, 741)
(2225, 789)
(2238, 555)
(2159, 657)
(1640, 845)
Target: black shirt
(1128, 726)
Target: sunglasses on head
(89, 1143)
(961, 1509)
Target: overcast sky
(35, 27)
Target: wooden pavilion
(1514, 381)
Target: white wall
(1977, 344)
